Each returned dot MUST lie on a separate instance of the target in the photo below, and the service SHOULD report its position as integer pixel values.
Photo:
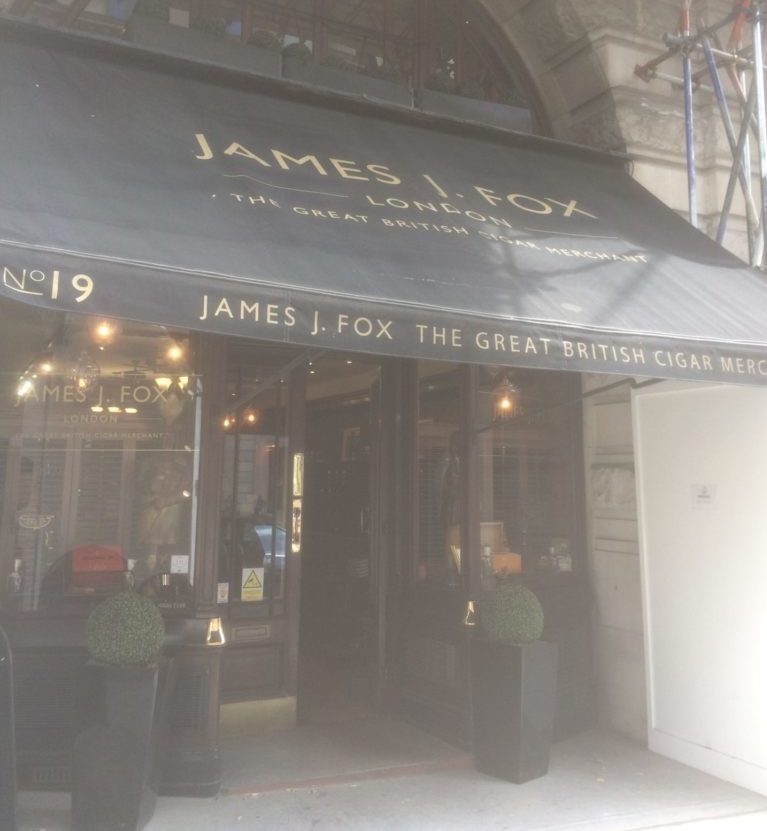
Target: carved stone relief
(601, 130)
(613, 488)
(551, 25)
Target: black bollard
(7, 739)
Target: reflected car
(254, 540)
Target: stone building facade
(580, 56)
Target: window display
(98, 458)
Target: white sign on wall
(703, 496)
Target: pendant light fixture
(506, 399)
(85, 373)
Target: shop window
(99, 460)
(439, 473)
(437, 44)
(290, 21)
(528, 441)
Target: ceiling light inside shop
(163, 383)
(175, 353)
(44, 363)
(85, 372)
(114, 409)
(104, 330)
(507, 399)
(24, 388)
(131, 410)
(97, 408)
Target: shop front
(311, 368)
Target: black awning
(142, 193)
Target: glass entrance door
(260, 517)
(342, 558)
(434, 674)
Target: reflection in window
(421, 43)
(528, 472)
(98, 466)
(439, 473)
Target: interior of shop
(338, 642)
(337, 510)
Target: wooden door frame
(385, 408)
(295, 431)
(211, 365)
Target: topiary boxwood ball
(298, 52)
(126, 629)
(512, 613)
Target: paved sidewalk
(375, 774)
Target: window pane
(253, 541)
(439, 473)
(98, 459)
(291, 20)
(362, 13)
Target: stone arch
(579, 58)
(553, 53)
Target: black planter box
(58, 694)
(222, 50)
(514, 701)
(356, 83)
(474, 109)
(192, 762)
(113, 757)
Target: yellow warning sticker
(252, 584)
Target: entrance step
(333, 753)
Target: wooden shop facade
(311, 368)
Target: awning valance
(145, 193)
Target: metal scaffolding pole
(735, 148)
(732, 71)
(689, 118)
(760, 112)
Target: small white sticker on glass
(179, 564)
